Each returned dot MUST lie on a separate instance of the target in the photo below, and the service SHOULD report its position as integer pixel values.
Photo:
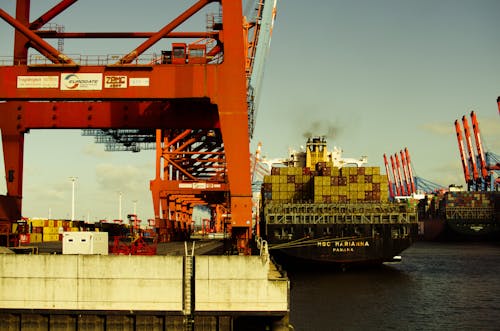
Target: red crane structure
(396, 177)
(470, 150)
(461, 149)
(390, 182)
(482, 178)
(410, 172)
(402, 173)
(191, 102)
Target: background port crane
(411, 185)
(481, 164)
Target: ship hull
(462, 216)
(341, 251)
(342, 239)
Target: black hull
(440, 229)
(373, 244)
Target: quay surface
(168, 291)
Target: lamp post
(135, 207)
(120, 206)
(73, 180)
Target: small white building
(85, 243)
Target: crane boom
(258, 48)
(410, 172)
(472, 158)
(396, 178)
(391, 190)
(462, 152)
(405, 172)
(398, 169)
(479, 145)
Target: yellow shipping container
(35, 237)
(376, 170)
(50, 237)
(283, 195)
(267, 179)
(353, 187)
(36, 223)
(73, 229)
(290, 187)
(361, 195)
(376, 179)
(334, 190)
(50, 230)
(368, 171)
(275, 179)
(275, 187)
(342, 190)
(283, 179)
(335, 171)
(335, 198)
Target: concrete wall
(91, 282)
(135, 283)
(236, 283)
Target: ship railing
(303, 213)
(478, 213)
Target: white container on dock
(85, 243)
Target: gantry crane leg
(13, 151)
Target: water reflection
(436, 286)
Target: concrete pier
(105, 292)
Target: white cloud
(439, 128)
(95, 150)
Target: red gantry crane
(403, 186)
(482, 178)
(191, 103)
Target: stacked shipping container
(326, 184)
(42, 230)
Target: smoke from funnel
(323, 129)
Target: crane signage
(115, 81)
(37, 81)
(86, 82)
(199, 185)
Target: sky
(374, 77)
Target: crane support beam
(208, 98)
(472, 156)
(51, 13)
(461, 149)
(390, 182)
(165, 30)
(144, 82)
(23, 116)
(396, 178)
(36, 42)
(400, 175)
(479, 145)
(410, 171)
(48, 34)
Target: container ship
(319, 208)
(462, 215)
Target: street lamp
(135, 207)
(120, 206)
(73, 180)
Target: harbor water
(437, 286)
